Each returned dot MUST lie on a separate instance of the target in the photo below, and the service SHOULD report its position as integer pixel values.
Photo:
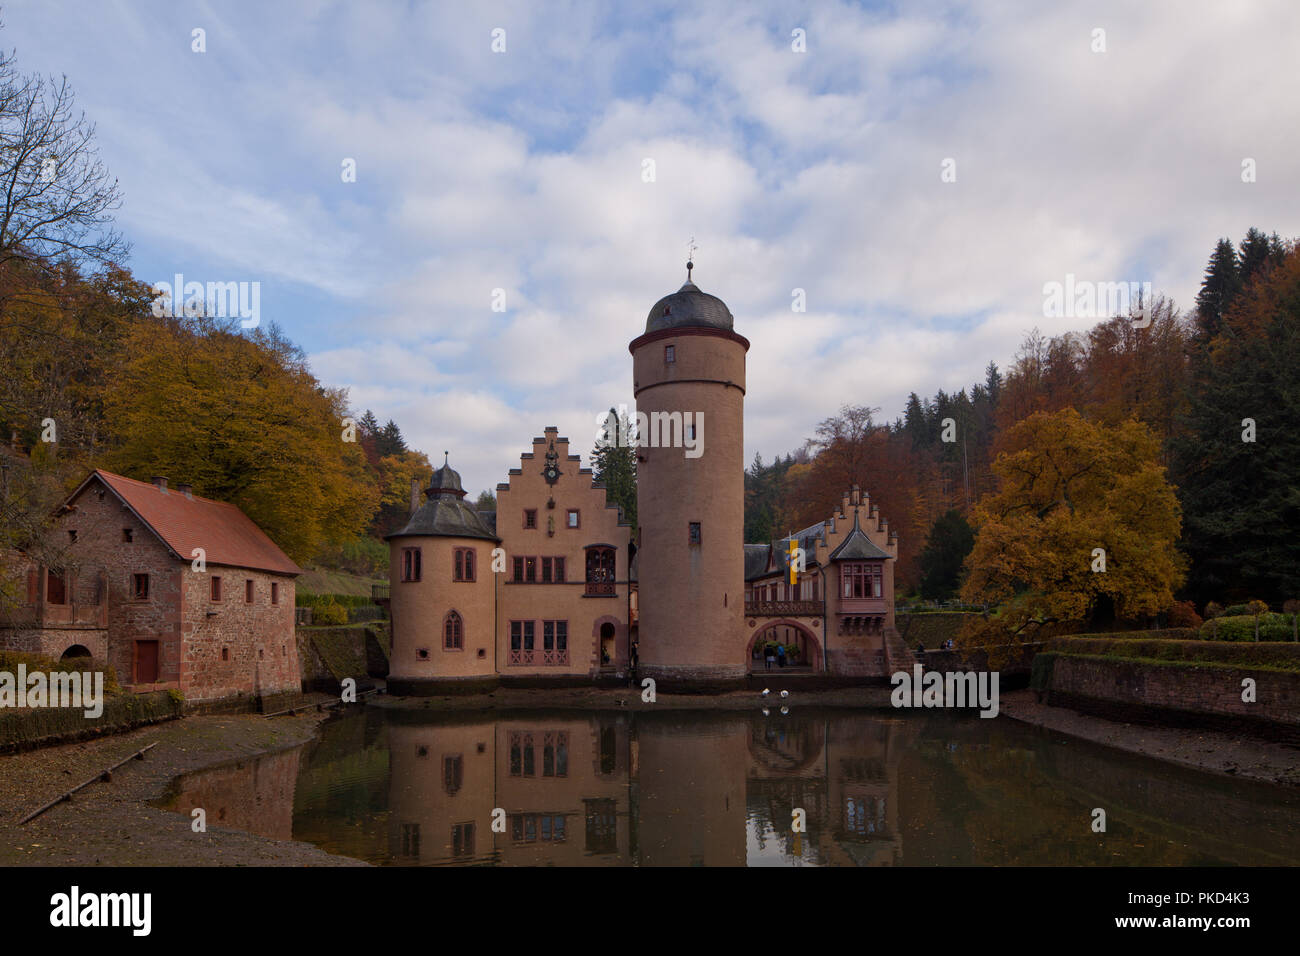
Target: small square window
(482, 652)
(127, 535)
(695, 532)
(530, 517)
(422, 653)
(225, 653)
(670, 354)
(72, 535)
(572, 521)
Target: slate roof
(857, 546)
(688, 307)
(756, 560)
(227, 536)
(447, 516)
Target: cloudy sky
(526, 171)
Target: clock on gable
(552, 470)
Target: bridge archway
(790, 633)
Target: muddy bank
(1227, 754)
(114, 823)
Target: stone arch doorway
(789, 633)
(611, 643)
(75, 651)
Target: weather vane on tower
(690, 258)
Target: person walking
(780, 655)
(767, 664)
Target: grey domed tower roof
(688, 307)
(444, 513)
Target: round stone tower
(688, 376)
(442, 592)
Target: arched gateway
(791, 634)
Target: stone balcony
(784, 608)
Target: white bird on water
(765, 692)
(785, 693)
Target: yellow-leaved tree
(241, 418)
(1081, 530)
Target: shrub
(1183, 614)
(1213, 609)
(329, 613)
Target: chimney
(186, 490)
(161, 482)
(415, 494)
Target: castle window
(519, 569)
(573, 518)
(72, 535)
(127, 534)
(530, 517)
(214, 590)
(553, 570)
(422, 653)
(139, 587)
(410, 564)
(453, 772)
(248, 591)
(275, 593)
(694, 534)
(453, 636)
(670, 354)
(555, 754)
(462, 839)
(860, 580)
(225, 653)
(600, 571)
(530, 570)
(522, 634)
(463, 569)
(555, 642)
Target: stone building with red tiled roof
(171, 589)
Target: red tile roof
(226, 535)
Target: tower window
(670, 354)
(410, 564)
(572, 521)
(214, 589)
(694, 533)
(463, 569)
(453, 636)
(126, 535)
(530, 517)
(139, 587)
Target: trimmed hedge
(307, 599)
(1272, 627)
(1274, 656)
(1160, 634)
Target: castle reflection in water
(718, 789)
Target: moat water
(720, 789)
